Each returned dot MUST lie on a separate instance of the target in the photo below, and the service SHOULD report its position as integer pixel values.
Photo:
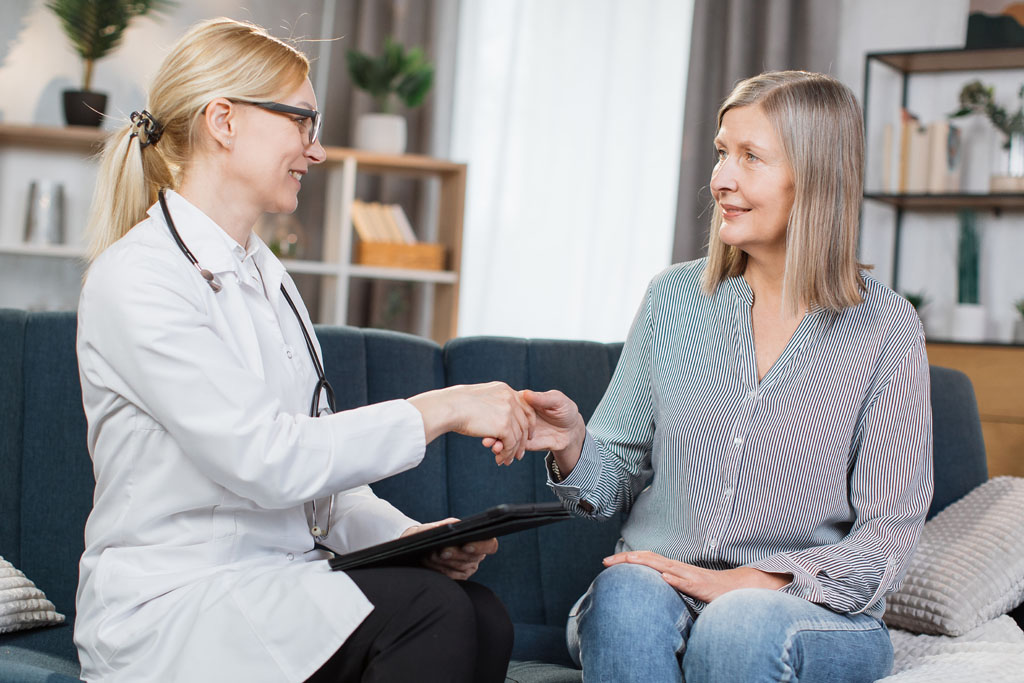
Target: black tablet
(497, 521)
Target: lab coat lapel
(210, 245)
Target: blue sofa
(47, 480)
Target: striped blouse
(822, 470)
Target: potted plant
(978, 98)
(969, 314)
(397, 73)
(95, 28)
(919, 301)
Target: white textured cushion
(993, 652)
(22, 605)
(969, 567)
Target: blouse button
(290, 557)
(288, 352)
(713, 543)
(738, 441)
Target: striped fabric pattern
(822, 470)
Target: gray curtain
(732, 40)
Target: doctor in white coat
(197, 378)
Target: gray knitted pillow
(969, 567)
(22, 605)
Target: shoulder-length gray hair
(819, 122)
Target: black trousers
(424, 627)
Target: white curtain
(569, 114)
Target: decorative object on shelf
(969, 314)
(283, 235)
(44, 219)
(1018, 324)
(976, 97)
(397, 73)
(995, 23)
(95, 28)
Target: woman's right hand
(558, 428)
(494, 411)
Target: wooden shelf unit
(932, 62)
(950, 202)
(997, 372)
(336, 268)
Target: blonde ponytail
(215, 58)
(126, 186)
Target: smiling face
(273, 153)
(752, 184)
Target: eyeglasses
(311, 117)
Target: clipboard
(497, 521)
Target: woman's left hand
(456, 562)
(697, 582)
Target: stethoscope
(318, 531)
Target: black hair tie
(147, 129)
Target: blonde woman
(215, 470)
(767, 431)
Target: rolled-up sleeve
(615, 463)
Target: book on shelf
(361, 221)
(376, 222)
(914, 161)
(930, 157)
(404, 226)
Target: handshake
(509, 422)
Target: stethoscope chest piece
(208, 276)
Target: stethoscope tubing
(322, 385)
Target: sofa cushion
(538, 574)
(531, 671)
(370, 366)
(969, 566)
(958, 445)
(12, 416)
(57, 478)
(992, 652)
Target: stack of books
(386, 238)
(930, 159)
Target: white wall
(928, 261)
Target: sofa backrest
(47, 474)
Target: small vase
(1011, 175)
(383, 133)
(84, 108)
(969, 323)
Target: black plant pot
(84, 108)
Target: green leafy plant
(1019, 305)
(917, 299)
(976, 97)
(95, 27)
(400, 73)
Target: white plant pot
(969, 322)
(383, 133)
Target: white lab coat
(198, 563)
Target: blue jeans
(632, 626)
